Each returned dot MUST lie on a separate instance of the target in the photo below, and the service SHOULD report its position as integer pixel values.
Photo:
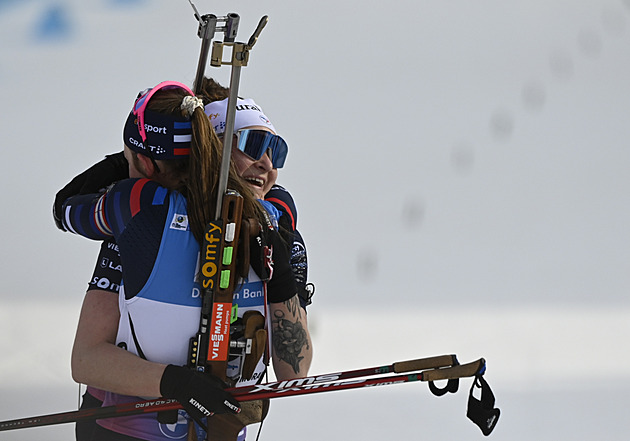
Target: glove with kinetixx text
(200, 394)
(112, 169)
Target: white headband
(248, 114)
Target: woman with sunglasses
(138, 351)
(252, 164)
(258, 152)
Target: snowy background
(461, 171)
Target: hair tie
(190, 103)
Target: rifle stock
(210, 347)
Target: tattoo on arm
(292, 305)
(289, 336)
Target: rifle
(209, 349)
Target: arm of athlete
(292, 350)
(292, 347)
(100, 216)
(96, 178)
(97, 361)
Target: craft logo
(211, 256)
(157, 149)
(133, 141)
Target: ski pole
(309, 385)
(299, 386)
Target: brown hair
(199, 173)
(212, 91)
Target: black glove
(200, 394)
(111, 169)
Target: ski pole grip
(425, 363)
(465, 370)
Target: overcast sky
(449, 159)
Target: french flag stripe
(99, 217)
(182, 138)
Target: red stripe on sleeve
(286, 209)
(134, 197)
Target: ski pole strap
(482, 411)
(452, 385)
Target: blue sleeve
(101, 216)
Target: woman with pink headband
(105, 282)
(130, 352)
